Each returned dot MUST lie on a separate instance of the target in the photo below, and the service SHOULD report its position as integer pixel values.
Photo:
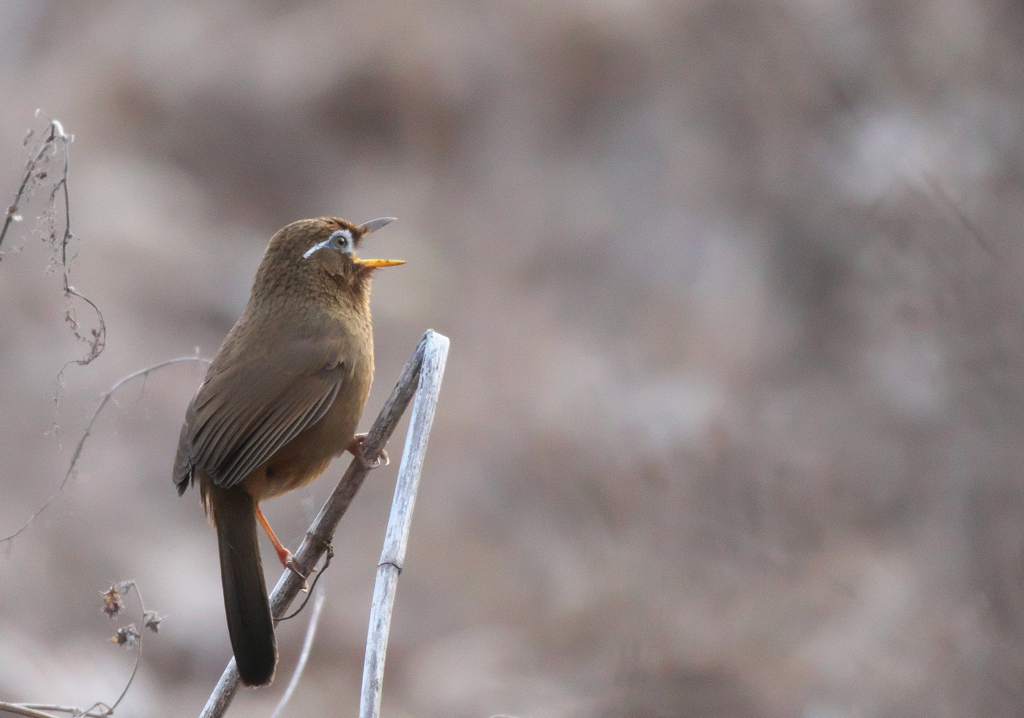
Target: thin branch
(56, 131)
(21, 710)
(307, 645)
(62, 709)
(128, 586)
(88, 432)
(97, 340)
(50, 707)
(320, 532)
(396, 541)
(58, 140)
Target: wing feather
(279, 426)
(249, 407)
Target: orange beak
(375, 263)
(372, 226)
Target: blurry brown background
(732, 418)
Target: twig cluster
(54, 147)
(128, 636)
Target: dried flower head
(112, 602)
(152, 621)
(126, 636)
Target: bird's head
(344, 237)
(324, 247)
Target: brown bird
(280, 400)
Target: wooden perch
(392, 557)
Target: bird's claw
(381, 460)
(356, 445)
(291, 563)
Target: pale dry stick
(88, 432)
(48, 707)
(318, 537)
(307, 645)
(396, 541)
(23, 710)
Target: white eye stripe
(340, 240)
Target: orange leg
(287, 560)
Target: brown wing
(249, 407)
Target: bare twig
(57, 140)
(392, 556)
(307, 646)
(320, 532)
(128, 586)
(97, 339)
(50, 707)
(88, 431)
(50, 143)
(23, 710)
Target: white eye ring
(340, 240)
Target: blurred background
(732, 418)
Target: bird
(281, 399)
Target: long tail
(250, 623)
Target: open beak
(374, 263)
(372, 226)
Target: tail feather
(250, 623)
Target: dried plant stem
(59, 140)
(50, 143)
(128, 586)
(23, 710)
(307, 645)
(396, 540)
(88, 432)
(319, 535)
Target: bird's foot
(289, 562)
(354, 449)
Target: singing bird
(281, 399)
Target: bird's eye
(342, 239)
